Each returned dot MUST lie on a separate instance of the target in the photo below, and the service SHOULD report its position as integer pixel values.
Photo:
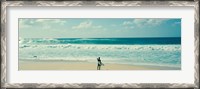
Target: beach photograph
(99, 44)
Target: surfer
(99, 63)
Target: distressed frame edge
(5, 85)
(196, 44)
(3, 45)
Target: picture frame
(4, 39)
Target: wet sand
(83, 65)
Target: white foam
(110, 47)
(128, 54)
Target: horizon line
(101, 37)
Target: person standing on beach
(99, 63)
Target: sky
(99, 28)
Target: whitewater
(168, 54)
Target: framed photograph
(100, 44)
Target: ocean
(133, 51)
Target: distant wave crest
(109, 41)
(109, 47)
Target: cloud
(156, 22)
(53, 21)
(127, 23)
(139, 23)
(83, 25)
(87, 25)
(40, 23)
(177, 23)
(24, 23)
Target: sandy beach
(66, 65)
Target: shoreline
(83, 65)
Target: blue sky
(99, 28)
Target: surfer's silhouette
(99, 63)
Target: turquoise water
(135, 51)
(106, 41)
